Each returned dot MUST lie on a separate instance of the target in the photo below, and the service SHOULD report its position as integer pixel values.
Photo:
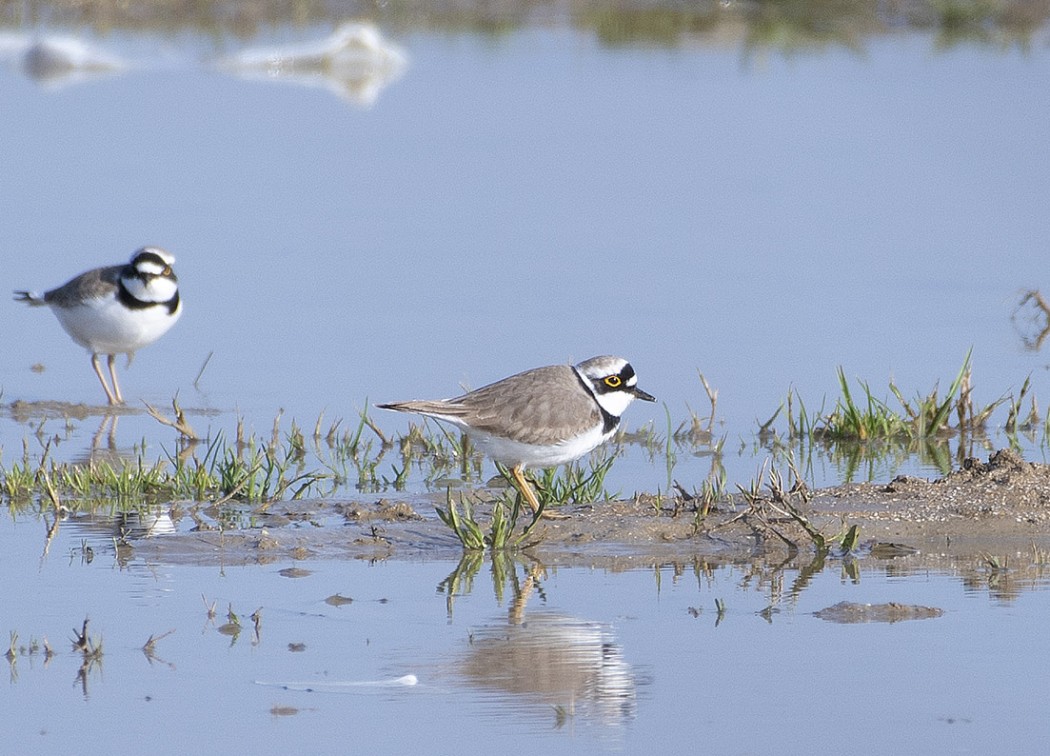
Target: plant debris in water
(849, 613)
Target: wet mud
(987, 512)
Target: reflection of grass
(664, 26)
(775, 24)
(504, 573)
(868, 460)
(803, 24)
(460, 582)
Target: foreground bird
(117, 309)
(542, 417)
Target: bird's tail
(30, 298)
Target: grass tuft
(500, 535)
(865, 418)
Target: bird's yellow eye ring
(613, 381)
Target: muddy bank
(988, 512)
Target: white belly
(514, 452)
(104, 326)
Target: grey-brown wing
(93, 284)
(427, 407)
(543, 405)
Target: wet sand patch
(985, 510)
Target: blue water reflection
(565, 658)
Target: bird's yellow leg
(518, 472)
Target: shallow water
(590, 660)
(758, 211)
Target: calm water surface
(594, 660)
(496, 203)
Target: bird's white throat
(614, 402)
(155, 290)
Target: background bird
(116, 309)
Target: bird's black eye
(613, 381)
(166, 271)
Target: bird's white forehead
(600, 367)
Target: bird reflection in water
(55, 61)
(573, 665)
(355, 62)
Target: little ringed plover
(117, 309)
(542, 417)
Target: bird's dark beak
(639, 394)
